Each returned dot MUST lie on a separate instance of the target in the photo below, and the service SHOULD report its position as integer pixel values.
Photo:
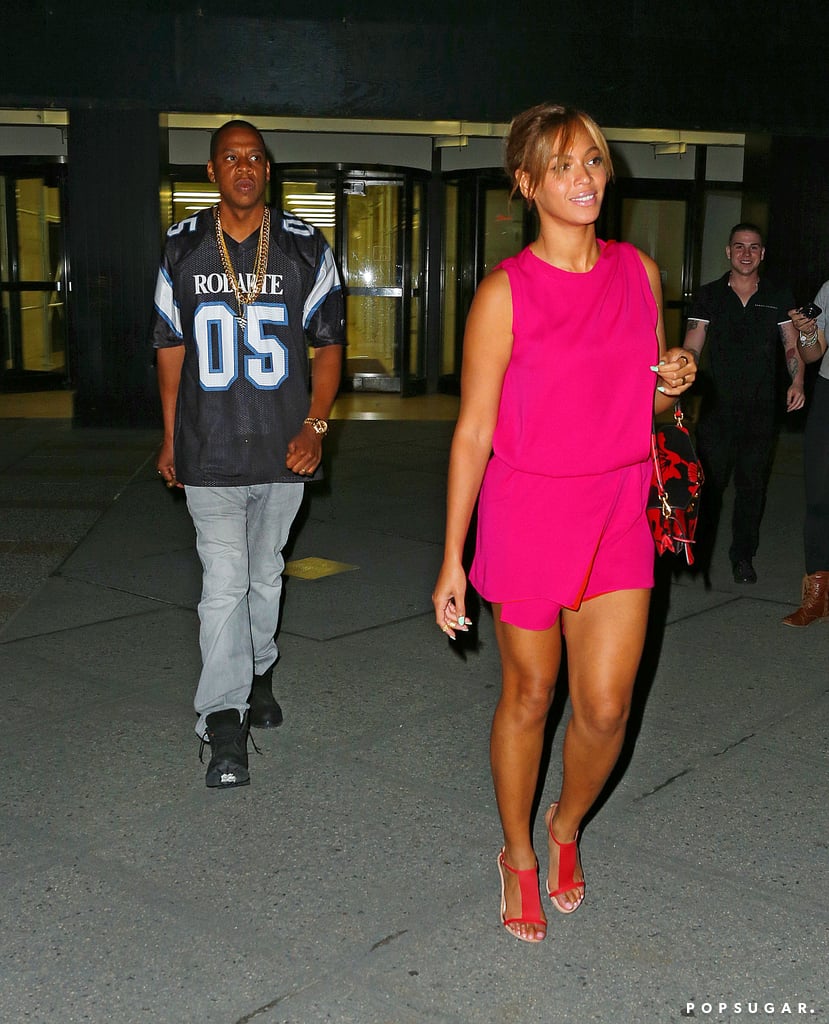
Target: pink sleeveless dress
(561, 513)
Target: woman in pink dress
(563, 546)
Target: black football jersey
(244, 388)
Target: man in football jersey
(741, 318)
(241, 294)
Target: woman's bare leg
(605, 638)
(529, 667)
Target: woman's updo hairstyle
(541, 133)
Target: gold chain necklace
(244, 299)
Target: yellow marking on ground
(315, 568)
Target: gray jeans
(240, 534)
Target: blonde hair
(541, 133)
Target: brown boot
(815, 601)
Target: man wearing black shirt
(742, 318)
(242, 291)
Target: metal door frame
(17, 378)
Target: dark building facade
(119, 71)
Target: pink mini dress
(561, 513)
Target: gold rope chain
(244, 299)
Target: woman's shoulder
(495, 286)
(637, 259)
(611, 249)
(515, 262)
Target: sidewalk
(354, 880)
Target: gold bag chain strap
(244, 299)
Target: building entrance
(374, 222)
(33, 326)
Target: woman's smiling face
(574, 185)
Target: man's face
(745, 253)
(240, 169)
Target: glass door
(503, 225)
(375, 224)
(661, 218)
(33, 326)
(373, 271)
(658, 227)
(684, 226)
(482, 226)
(413, 363)
(723, 208)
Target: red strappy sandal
(530, 900)
(568, 858)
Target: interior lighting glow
(316, 208)
(320, 211)
(324, 198)
(201, 194)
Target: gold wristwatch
(320, 426)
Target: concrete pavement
(354, 880)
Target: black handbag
(673, 502)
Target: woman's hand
(677, 371)
(802, 323)
(448, 598)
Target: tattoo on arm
(789, 336)
(695, 337)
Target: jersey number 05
(265, 364)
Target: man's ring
(684, 379)
(686, 360)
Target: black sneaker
(744, 571)
(265, 713)
(228, 739)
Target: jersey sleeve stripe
(165, 303)
(326, 283)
